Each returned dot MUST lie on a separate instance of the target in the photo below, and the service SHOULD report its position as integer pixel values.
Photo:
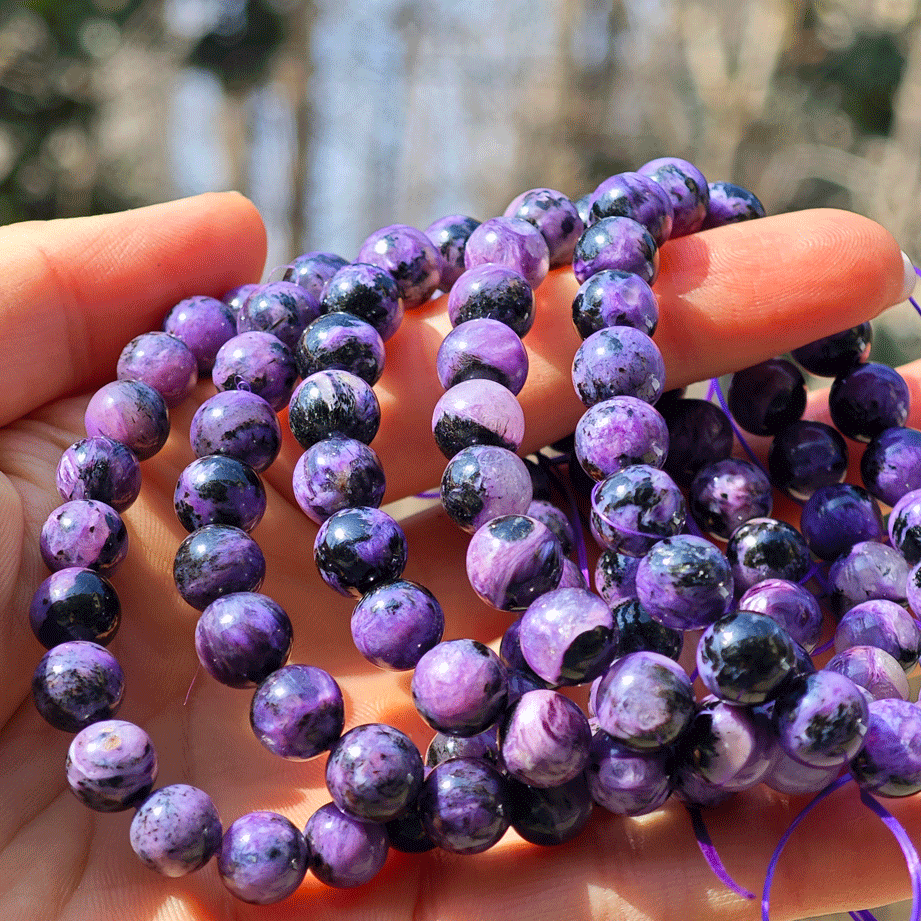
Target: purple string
(862, 915)
(429, 494)
(716, 389)
(708, 849)
(816, 572)
(914, 303)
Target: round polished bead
(459, 687)
(492, 292)
(477, 412)
(298, 712)
(872, 669)
(102, 469)
(905, 526)
(510, 242)
(111, 765)
(686, 186)
(161, 361)
(625, 781)
(638, 631)
(616, 243)
(444, 747)
(176, 830)
(242, 638)
(345, 852)
(836, 354)
(615, 576)
(791, 605)
(891, 465)
(638, 197)
(86, 534)
(344, 342)
(130, 412)
(313, 270)
(281, 308)
(555, 216)
(889, 763)
(218, 489)
(618, 361)
(368, 293)
(407, 834)
(884, 624)
(76, 684)
(263, 858)
(235, 297)
(217, 560)
(337, 473)
(868, 399)
(768, 396)
(259, 363)
(238, 424)
(555, 519)
(790, 776)
(837, 517)
(450, 235)
(483, 348)
(409, 256)
(699, 433)
(74, 604)
(204, 324)
(730, 204)
(549, 815)
(357, 549)
(727, 493)
(333, 403)
(766, 548)
(613, 297)
(868, 570)
(396, 623)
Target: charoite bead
(313, 270)
(409, 256)
(74, 604)
(259, 363)
(281, 308)
(99, 468)
(84, 533)
(367, 293)
(555, 216)
(492, 292)
(510, 242)
(686, 186)
(204, 324)
(238, 424)
(613, 297)
(618, 361)
(638, 197)
(483, 348)
(218, 489)
(161, 361)
(130, 412)
(333, 403)
(343, 342)
(345, 852)
(450, 235)
(477, 412)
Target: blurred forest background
(340, 116)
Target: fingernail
(911, 278)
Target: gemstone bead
(483, 348)
(618, 361)
(790, 776)
(556, 520)
(766, 548)
(699, 433)
(235, 297)
(637, 631)
(450, 235)
(204, 324)
(161, 361)
(891, 465)
(510, 242)
(555, 216)
(625, 781)
(86, 534)
(344, 851)
(477, 412)
(905, 526)
(613, 297)
(549, 815)
(333, 403)
(727, 493)
(872, 669)
(74, 604)
(768, 396)
(368, 293)
(492, 292)
(730, 204)
(615, 576)
(444, 747)
(130, 412)
(409, 256)
(281, 308)
(884, 624)
(791, 605)
(218, 489)
(259, 363)
(638, 197)
(838, 353)
(99, 468)
(837, 517)
(868, 399)
(238, 424)
(868, 570)
(616, 243)
(889, 763)
(313, 270)
(344, 342)
(686, 186)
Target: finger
(75, 291)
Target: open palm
(74, 292)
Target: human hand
(75, 292)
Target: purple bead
(699, 433)
(616, 243)
(204, 324)
(637, 631)
(544, 739)
(409, 256)
(727, 493)
(176, 830)
(730, 204)
(567, 636)
(374, 772)
(838, 353)
(882, 623)
(511, 242)
(242, 638)
(333, 403)
(219, 490)
(129, 412)
(768, 396)
(837, 517)
(889, 763)
(612, 297)
(86, 534)
(905, 526)
(556, 520)
(874, 670)
(791, 605)
(74, 604)
(513, 559)
(684, 582)
(483, 348)
(344, 852)
(357, 549)
(687, 187)
(459, 687)
(337, 473)
(891, 465)
(615, 576)
(868, 399)
(111, 765)
(313, 270)
(257, 362)
(787, 775)
(492, 292)
(396, 623)
(161, 361)
(483, 482)
(450, 235)
(638, 197)
(635, 508)
(263, 858)
(618, 361)
(584, 206)
(343, 342)
(407, 834)
(368, 293)
(551, 815)
(645, 701)
(766, 548)
(217, 560)
(868, 570)
(822, 720)
(464, 805)
(76, 684)
(616, 433)
(477, 412)
(484, 745)
(238, 424)
(101, 469)
(281, 308)
(624, 781)
(235, 297)
(555, 216)
(298, 712)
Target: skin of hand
(74, 292)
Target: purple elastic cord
(911, 300)
(823, 648)
(862, 915)
(429, 494)
(716, 389)
(708, 849)
(816, 572)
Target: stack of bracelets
(510, 749)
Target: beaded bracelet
(645, 737)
